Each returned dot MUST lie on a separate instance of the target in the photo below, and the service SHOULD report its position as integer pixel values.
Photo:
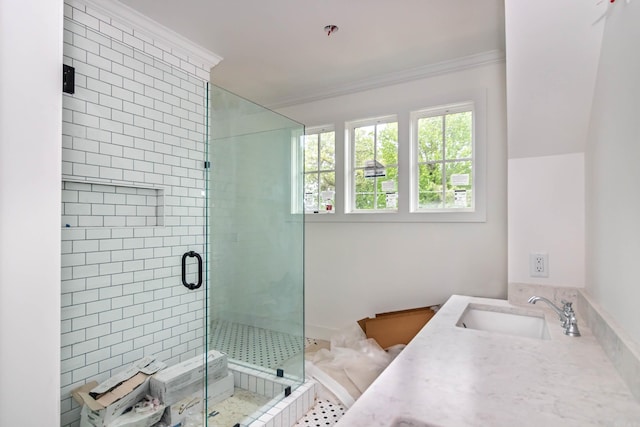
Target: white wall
(572, 88)
(30, 167)
(552, 59)
(613, 172)
(546, 214)
(421, 263)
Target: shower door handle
(191, 254)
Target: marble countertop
(454, 377)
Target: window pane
(364, 191)
(327, 181)
(430, 139)
(430, 186)
(327, 191)
(387, 144)
(458, 135)
(387, 190)
(311, 192)
(377, 142)
(327, 151)
(391, 174)
(311, 153)
(459, 185)
(363, 144)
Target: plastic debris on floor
(345, 367)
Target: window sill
(413, 217)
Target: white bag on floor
(349, 368)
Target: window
(443, 159)
(425, 165)
(373, 148)
(319, 171)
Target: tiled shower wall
(257, 245)
(258, 241)
(133, 180)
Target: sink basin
(504, 320)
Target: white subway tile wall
(280, 411)
(102, 205)
(133, 158)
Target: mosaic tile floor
(257, 346)
(323, 414)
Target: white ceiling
(276, 51)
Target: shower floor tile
(254, 345)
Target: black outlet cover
(68, 79)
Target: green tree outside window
(319, 171)
(375, 142)
(445, 161)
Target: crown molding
(425, 71)
(147, 26)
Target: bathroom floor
(323, 414)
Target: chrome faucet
(566, 314)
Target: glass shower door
(256, 250)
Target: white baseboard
(319, 332)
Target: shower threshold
(248, 408)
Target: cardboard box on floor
(109, 399)
(217, 391)
(133, 418)
(185, 378)
(396, 327)
(128, 394)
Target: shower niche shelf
(99, 204)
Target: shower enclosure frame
(131, 202)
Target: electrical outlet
(539, 264)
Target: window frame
(350, 160)
(318, 130)
(440, 111)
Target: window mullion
(375, 159)
(319, 192)
(352, 202)
(444, 159)
(318, 181)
